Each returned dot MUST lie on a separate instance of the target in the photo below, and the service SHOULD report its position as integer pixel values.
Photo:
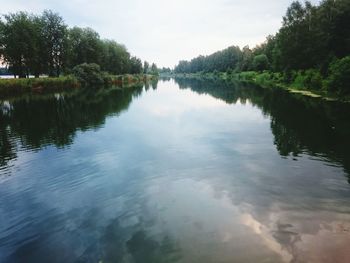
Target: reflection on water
(186, 171)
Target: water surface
(182, 171)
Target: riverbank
(268, 80)
(14, 87)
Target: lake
(175, 171)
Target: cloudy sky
(167, 31)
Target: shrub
(313, 79)
(91, 75)
(288, 76)
(339, 77)
(248, 76)
(261, 62)
(267, 79)
(230, 71)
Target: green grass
(10, 87)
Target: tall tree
(135, 65)
(145, 67)
(84, 46)
(116, 59)
(19, 42)
(154, 69)
(54, 32)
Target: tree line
(44, 44)
(313, 43)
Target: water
(185, 171)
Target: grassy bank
(301, 83)
(14, 87)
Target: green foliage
(310, 79)
(311, 36)
(298, 80)
(53, 41)
(247, 76)
(90, 75)
(135, 65)
(154, 69)
(260, 62)
(230, 71)
(43, 44)
(116, 58)
(220, 61)
(313, 79)
(10, 87)
(165, 70)
(145, 67)
(19, 46)
(339, 78)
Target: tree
(89, 74)
(135, 65)
(339, 78)
(84, 46)
(116, 59)
(43, 44)
(145, 67)
(2, 47)
(260, 62)
(20, 48)
(54, 32)
(246, 59)
(154, 69)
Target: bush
(91, 75)
(261, 62)
(298, 80)
(339, 77)
(247, 76)
(288, 76)
(310, 79)
(313, 79)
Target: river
(177, 171)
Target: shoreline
(270, 83)
(16, 87)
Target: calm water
(182, 171)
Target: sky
(163, 31)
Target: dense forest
(32, 44)
(311, 49)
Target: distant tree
(145, 67)
(311, 38)
(246, 59)
(154, 69)
(165, 70)
(135, 65)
